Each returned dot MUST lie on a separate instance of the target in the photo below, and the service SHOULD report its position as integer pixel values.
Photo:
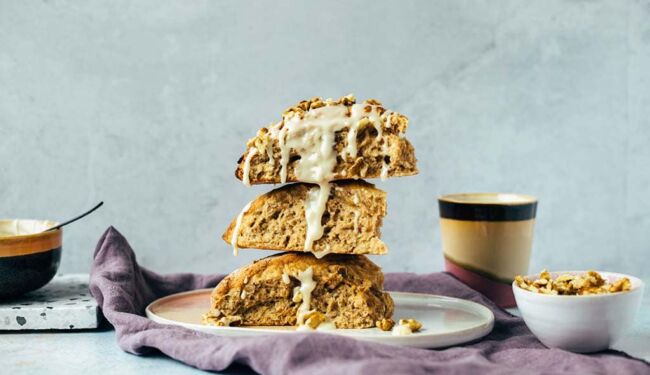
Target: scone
(294, 288)
(326, 140)
(351, 221)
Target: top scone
(327, 140)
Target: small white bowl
(581, 324)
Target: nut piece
(385, 324)
(620, 285)
(314, 318)
(413, 324)
(314, 103)
(297, 296)
(589, 283)
(363, 122)
(348, 100)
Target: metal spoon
(76, 218)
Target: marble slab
(63, 304)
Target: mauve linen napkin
(123, 289)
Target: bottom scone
(299, 289)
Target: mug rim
(459, 198)
(494, 207)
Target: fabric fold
(123, 289)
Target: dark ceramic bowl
(29, 257)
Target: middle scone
(350, 222)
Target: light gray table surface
(97, 352)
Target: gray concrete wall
(147, 105)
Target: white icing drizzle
(312, 137)
(285, 278)
(315, 205)
(269, 153)
(302, 294)
(384, 172)
(384, 150)
(351, 148)
(307, 286)
(388, 124)
(235, 232)
(303, 328)
(385, 166)
(284, 154)
(320, 254)
(388, 118)
(327, 325)
(247, 166)
(401, 330)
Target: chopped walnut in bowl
(578, 311)
(590, 282)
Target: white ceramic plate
(446, 321)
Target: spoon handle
(76, 218)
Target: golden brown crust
(352, 220)
(348, 291)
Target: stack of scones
(324, 222)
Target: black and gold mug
(29, 256)
(487, 240)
